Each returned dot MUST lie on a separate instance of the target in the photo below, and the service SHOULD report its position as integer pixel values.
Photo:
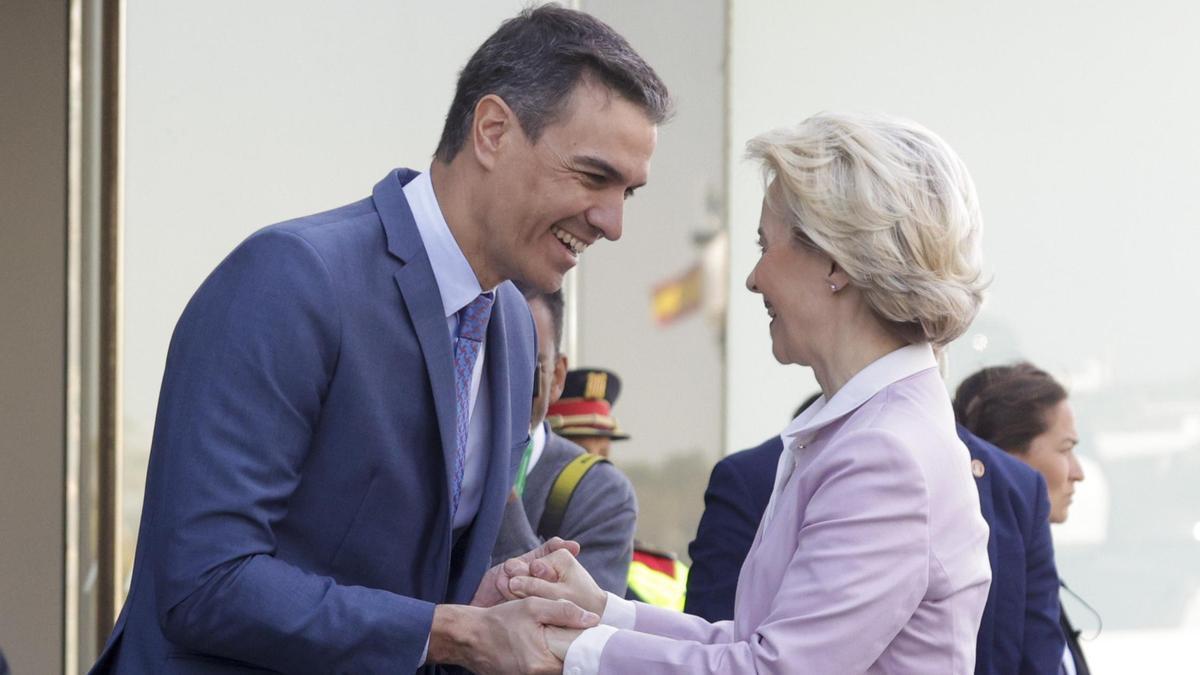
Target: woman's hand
(558, 640)
(559, 576)
(494, 587)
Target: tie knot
(473, 319)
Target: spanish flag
(679, 296)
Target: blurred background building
(141, 141)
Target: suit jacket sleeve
(1043, 642)
(858, 574)
(723, 539)
(246, 374)
(602, 517)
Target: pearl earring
(833, 287)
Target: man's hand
(494, 588)
(507, 638)
(559, 576)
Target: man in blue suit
(1019, 632)
(346, 396)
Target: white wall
(1081, 125)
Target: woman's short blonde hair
(892, 205)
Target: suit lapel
(500, 468)
(983, 483)
(420, 295)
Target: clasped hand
(554, 574)
(537, 605)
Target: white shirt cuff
(424, 653)
(583, 656)
(619, 613)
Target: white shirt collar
(456, 280)
(539, 444)
(880, 373)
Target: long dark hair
(1008, 406)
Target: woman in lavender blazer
(872, 554)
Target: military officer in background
(584, 412)
(584, 415)
(560, 489)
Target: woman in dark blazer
(1022, 410)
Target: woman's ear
(837, 277)
(491, 126)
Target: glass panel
(84, 381)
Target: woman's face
(794, 282)
(1052, 453)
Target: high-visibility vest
(658, 579)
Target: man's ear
(560, 377)
(491, 128)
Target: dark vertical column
(34, 49)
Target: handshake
(525, 614)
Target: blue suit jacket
(737, 496)
(297, 514)
(1019, 632)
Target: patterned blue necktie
(472, 327)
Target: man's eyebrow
(601, 166)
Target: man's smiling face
(567, 190)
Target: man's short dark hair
(533, 62)
(554, 303)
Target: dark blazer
(1020, 631)
(737, 496)
(297, 512)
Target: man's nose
(607, 216)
